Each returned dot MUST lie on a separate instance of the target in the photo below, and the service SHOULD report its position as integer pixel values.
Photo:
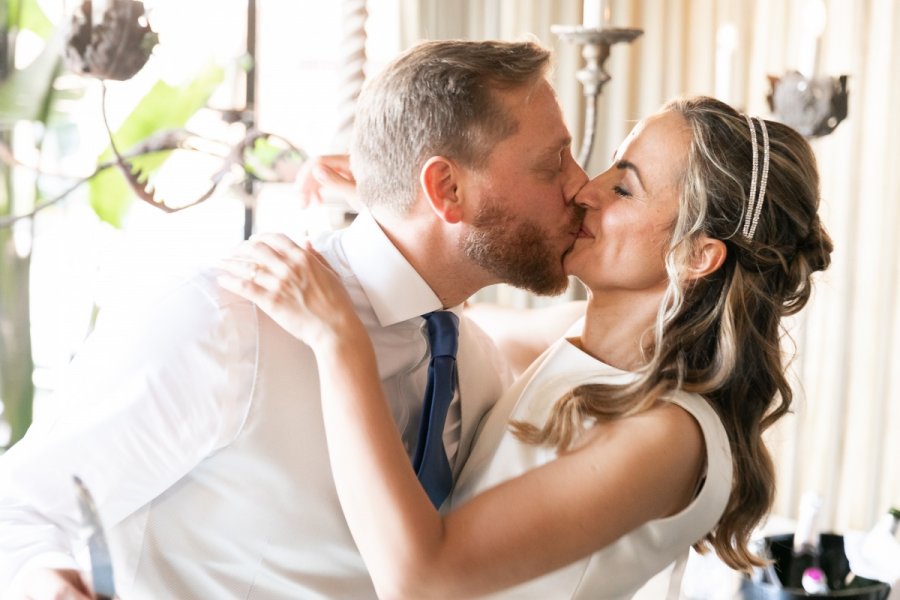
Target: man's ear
(439, 180)
(707, 256)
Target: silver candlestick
(596, 44)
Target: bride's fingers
(239, 266)
(274, 266)
(242, 285)
(281, 244)
(274, 261)
(272, 255)
(302, 260)
(279, 254)
(307, 246)
(256, 278)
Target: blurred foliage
(164, 107)
(31, 94)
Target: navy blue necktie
(430, 461)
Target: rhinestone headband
(755, 201)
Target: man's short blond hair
(438, 98)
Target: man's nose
(575, 179)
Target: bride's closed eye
(622, 192)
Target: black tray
(834, 563)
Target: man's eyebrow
(624, 164)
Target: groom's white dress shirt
(198, 428)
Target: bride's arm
(628, 472)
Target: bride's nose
(589, 197)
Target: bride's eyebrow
(624, 164)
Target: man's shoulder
(184, 305)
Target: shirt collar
(394, 288)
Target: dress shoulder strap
(677, 576)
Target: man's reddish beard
(517, 252)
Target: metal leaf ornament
(116, 48)
(813, 106)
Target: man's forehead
(538, 118)
(523, 93)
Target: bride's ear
(707, 256)
(439, 181)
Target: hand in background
(295, 286)
(329, 174)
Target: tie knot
(443, 332)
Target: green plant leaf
(27, 14)
(31, 17)
(163, 107)
(12, 10)
(26, 93)
(66, 101)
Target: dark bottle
(807, 550)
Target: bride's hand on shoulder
(295, 286)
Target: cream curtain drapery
(843, 439)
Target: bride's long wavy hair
(721, 336)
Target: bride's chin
(572, 272)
